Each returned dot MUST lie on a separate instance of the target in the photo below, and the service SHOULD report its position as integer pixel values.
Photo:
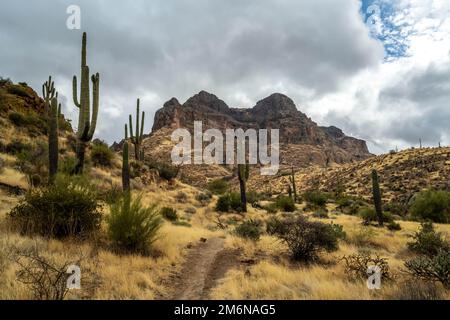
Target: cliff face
(274, 112)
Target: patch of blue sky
(392, 30)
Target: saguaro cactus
(125, 164)
(136, 139)
(243, 174)
(294, 186)
(48, 93)
(86, 124)
(377, 197)
(53, 140)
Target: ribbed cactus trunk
(243, 174)
(86, 123)
(53, 140)
(136, 138)
(293, 185)
(377, 197)
(125, 165)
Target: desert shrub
(271, 208)
(182, 224)
(218, 186)
(5, 81)
(315, 198)
(396, 208)
(394, 226)
(427, 241)
(274, 226)
(181, 197)
(285, 204)
(432, 205)
(339, 231)
(253, 197)
(131, 226)
(169, 214)
(357, 266)
(235, 201)
(18, 90)
(190, 210)
(250, 229)
(204, 197)
(111, 195)
(344, 202)
(306, 239)
(433, 269)
(321, 213)
(167, 171)
(67, 208)
(67, 165)
(101, 155)
(223, 203)
(416, 290)
(362, 237)
(17, 119)
(17, 147)
(369, 215)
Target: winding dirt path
(206, 263)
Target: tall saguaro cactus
(53, 140)
(377, 197)
(136, 139)
(86, 123)
(293, 186)
(243, 174)
(48, 93)
(125, 164)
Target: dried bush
(369, 215)
(433, 269)
(204, 197)
(427, 241)
(305, 238)
(357, 265)
(315, 199)
(321, 214)
(131, 226)
(416, 290)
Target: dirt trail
(206, 263)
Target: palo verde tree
(377, 197)
(86, 123)
(136, 138)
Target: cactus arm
(74, 92)
(142, 127)
(95, 101)
(126, 132)
(130, 120)
(137, 121)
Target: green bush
(396, 208)
(305, 239)
(17, 147)
(67, 165)
(166, 171)
(433, 269)
(235, 201)
(369, 215)
(273, 226)
(223, 203)
(204, 197)
(315, 198)
(67, 208)
(253, 197)
(17, 119)
(285, 204)
(356, 266)
(339, 231)
(427, 241)
(18, 90)
(271, 208)
(218, 186)
(432, 205)
(250, 229)
(101, 155)
(394, 226)
(131, 226)
(169, 214)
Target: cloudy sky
(378, 69)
